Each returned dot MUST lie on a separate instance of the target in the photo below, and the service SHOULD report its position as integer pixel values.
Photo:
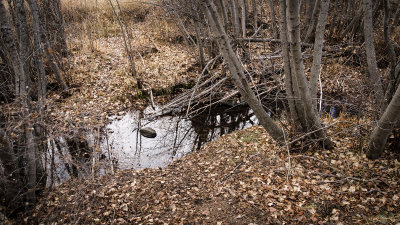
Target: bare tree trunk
(38, 50)
(392, 55)
(9, 42)
(396, 19)
(273, 19)
(244, 17)
(51, 11)
(318, 44)
(374, 77)
(24, 42)
(312, 119)
(189, 40)
(21, 92)
(235, 18)
(224, 14)
(311, 25)
(53, 64)
(354, 24)
(255, 14)
(309, 11)
(389, 119)
(237, 73)
(286, 63)
(31, 149)
(199, 44)
(9, 162)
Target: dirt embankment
(242, 178)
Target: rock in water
(148, 132)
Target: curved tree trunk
(238, 75)
(384, 127)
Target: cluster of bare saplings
(32, 40)
(224, 33)
(233, 25)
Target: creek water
(121, 146)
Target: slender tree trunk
(11, 47)
(255, 14)
(354, 24)
(392, 55)
(273, 19)
(31, 150)
(318, 44)
(389, 119)
(224, 14)
(199, 44)
(374, 77)
(21, 92)
(237, 73)
(309, 11)
(38, 50)
(244, 17)
(312, 119)
(235, 18)
(24, 42)
(311, 26)
(286, 63)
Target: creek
(119, 145)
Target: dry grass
(100, 76)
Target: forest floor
(242, 178)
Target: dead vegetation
(241, 178)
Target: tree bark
(21, 92)
(273, 19)
(24, 41)
(255, 14)
(38, 50)
(374, 77)
(237, 73)
(312, 119)
(311, 25)
(244, 17)
(392, 56)
(235, 18)
(199, 44)
(318, 44)
(224, 14)
(384, 127)
(11, 48)
(289, 87)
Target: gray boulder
(148, 132)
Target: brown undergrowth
(242, 178)
(99, 73)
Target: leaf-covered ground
(242, 178)
(98, 69)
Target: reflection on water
(176, 136)
(131, 150)
(121, 145)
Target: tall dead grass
(89, 20)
